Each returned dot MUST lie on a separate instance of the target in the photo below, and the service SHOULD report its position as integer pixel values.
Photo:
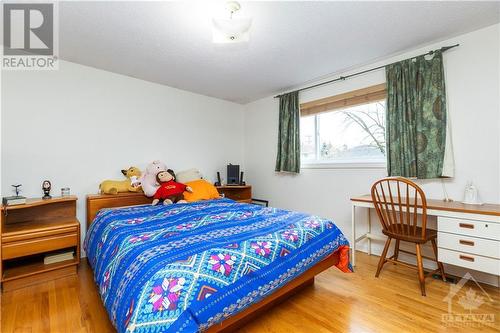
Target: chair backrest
(397, 201)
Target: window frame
(338, 102)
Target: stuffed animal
(131, 184)
(169, 191)
(148, 179)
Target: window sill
(344, 165)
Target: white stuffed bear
(148, 178)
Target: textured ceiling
(291, 42)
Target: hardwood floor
(337, 302)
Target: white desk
(468, 235)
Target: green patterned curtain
(288, 158)
(416, 117)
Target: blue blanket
(185, 267)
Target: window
(352, 133)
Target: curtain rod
(342, 78)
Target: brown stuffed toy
(169, 191)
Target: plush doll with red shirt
(169, 191)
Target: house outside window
(346, 130)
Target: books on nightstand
(14, 200)
(58, 257)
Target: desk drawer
(471, 261)
(38, 245)
(474, 245)
(489, 230)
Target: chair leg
(381, 262)
(440, 264)
(396, 250)
(420, 266)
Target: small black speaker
(218, 182)
(233, 173)
(242, 182)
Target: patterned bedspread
(185, 267)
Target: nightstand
(240, 193)
(30, 231)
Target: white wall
(80, 125)
(472, 79)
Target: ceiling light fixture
(231, 30)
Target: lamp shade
(231, 30)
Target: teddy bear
(131, 184)
(169, 191)
(148, 179)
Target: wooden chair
(398, 201)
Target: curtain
(416, 129)
(288, 157)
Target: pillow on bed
(188, 175)
(202, 190)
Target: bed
(204, 266)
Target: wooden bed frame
(100, 201)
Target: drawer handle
(466, 242)
(466, 225)
(467, 258)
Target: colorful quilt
(185, 267)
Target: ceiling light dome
(231, 29)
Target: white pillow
(188, 175)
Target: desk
(468, 235)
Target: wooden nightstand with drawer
(32, 230)
(240, 193)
